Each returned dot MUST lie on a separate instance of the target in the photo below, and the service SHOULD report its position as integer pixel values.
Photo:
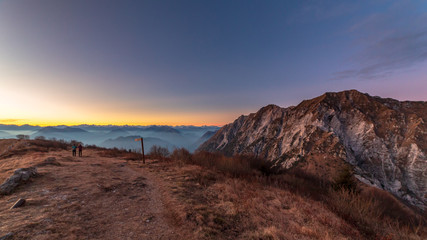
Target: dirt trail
(91, 197)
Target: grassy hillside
(240, 198)
(110, 194)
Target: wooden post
(142, 147)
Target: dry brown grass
(217, 206)
(377, 214)
(207, 195)
(158, 152)
(238, 166)
(229, 198)
(119, 153)
(15, 147)
(89, 197)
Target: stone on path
(20, 176)
(18, 203)
(49, 161)
(7, 236)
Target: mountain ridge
(383, 139)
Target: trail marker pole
(142, 147)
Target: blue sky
(201, 62)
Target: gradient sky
(200, 62)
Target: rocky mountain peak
(383, 139)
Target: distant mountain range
(385, 140)
(18, 128)
(117, 136)
(47, 130)
(163, 129)
(130, 143)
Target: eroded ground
(91, 197)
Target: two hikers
(80, 147)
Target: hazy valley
(189, 137)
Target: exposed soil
(89, 197)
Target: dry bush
(371, 214)
(267, 168)
(345, 179)
(374, 213)
(40, 138)
(111, 152)
(22, 137)
(49, 144)
(157, 152)
(181, 155)
(205, 159)
(233, 166)
(74, 142)
(236, 166)
(92, 146)
(119, 153)
(297, 181)
(132, 156)
(221, 207)
(361, 213)
(391, 207)
(22, 147)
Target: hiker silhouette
(74, 149)
(80, 150)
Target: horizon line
(106, 125)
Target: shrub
(264, 166)
(118, 153)
(72, 142)
(390, 206)
(363, 213)
(375, 213)
(40, 138)
(91, 146)
(181, 155)
(50, 144)
(206, 159)
(22, 136)
(345, 180)
(237, 166)
(157, 152)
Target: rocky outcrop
(8, 236)
(384, 139)
(49, 161)
(20, 176)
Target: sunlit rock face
(384, 139)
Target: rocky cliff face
(384, 139)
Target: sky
(200, 62)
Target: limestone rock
(19, 177)
(384, 139)
(8, 236)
